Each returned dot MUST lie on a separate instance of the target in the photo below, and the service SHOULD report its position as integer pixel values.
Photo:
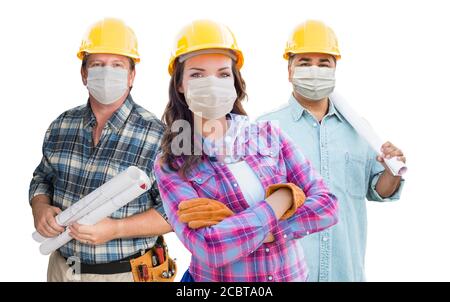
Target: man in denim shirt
(352, 170)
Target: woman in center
(237, 194)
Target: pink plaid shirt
(233, 250)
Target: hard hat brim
(239, 55)
(290, 53)
(135, 58)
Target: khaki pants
(60, 271)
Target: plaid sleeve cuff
(157, 201)
(266, 216)
(160, 209)
(39, 189)
(286, 229)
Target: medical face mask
(314, 83)
(107, 84)
(211, 97)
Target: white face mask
(314, 83)
(211, 97)
(107, 84)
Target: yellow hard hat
(312, 37)
(205, 34)
(110, 36)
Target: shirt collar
(333, 111)
(238, 125)
(297, 109)
(116, 121)
(236, 135)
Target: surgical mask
(107, 84)
(314, 83)
(211, 97)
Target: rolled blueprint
(363, 128)
(140, 183)
(96, 198)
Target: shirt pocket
(205, 183)
(355, 175)
(269, 163)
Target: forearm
(280, 201)
(387, 184)
(147, 224)
(39, 200)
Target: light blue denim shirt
(351, 171)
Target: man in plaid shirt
(88, 145)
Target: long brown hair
(177, 109)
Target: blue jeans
(187, 277)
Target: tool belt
(152, 265)
(155, 265)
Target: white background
(394, 70)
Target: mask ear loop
(130, 87)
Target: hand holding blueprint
(100, 203)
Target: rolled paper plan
(132, 182)
(96, 198)
(103, 211)
(363, 128)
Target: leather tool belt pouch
(155, 265)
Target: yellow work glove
(202, 212)
(298, 197)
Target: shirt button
(270, 278)
(284, 236)
(325, 168)
(325, 239)
(235, 185)
(199, 179)
(314, 125)
(267, 250)
(307, 232)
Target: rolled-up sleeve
(375, 173)
(156, 201)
